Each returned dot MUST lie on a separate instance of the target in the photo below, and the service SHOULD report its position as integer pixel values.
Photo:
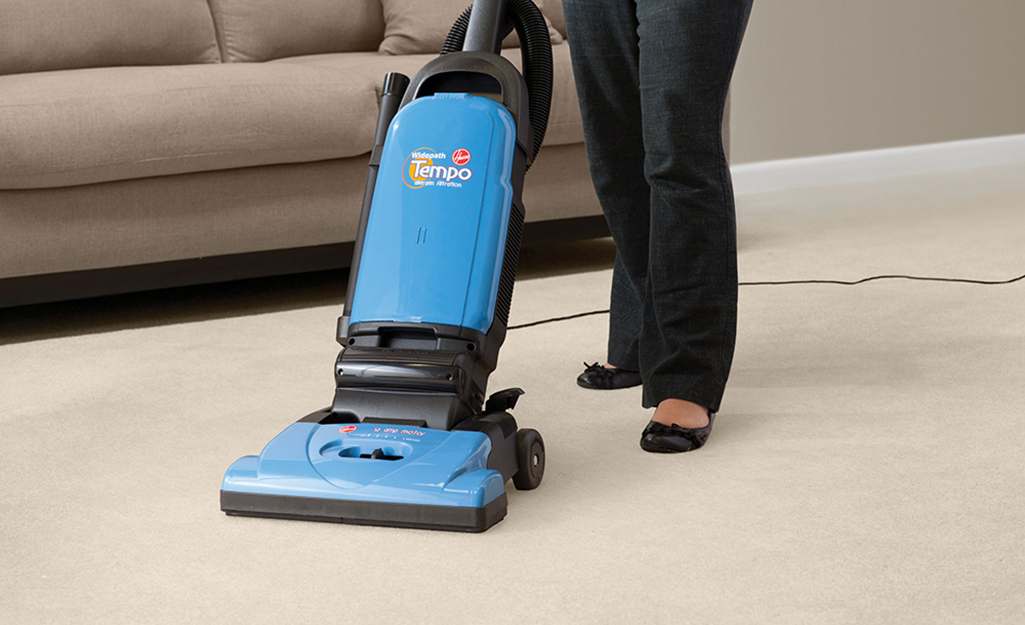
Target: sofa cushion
(234, 211)
(132, 222)
(85, 126)
(261, 30)
(564, 125)
(42, 35)
(415, 27)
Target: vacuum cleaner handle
(480, 29)
(394, 89)
(488, 26)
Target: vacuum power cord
(788, 282)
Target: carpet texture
(866, 467)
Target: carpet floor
(866, 467)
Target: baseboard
(873, 165)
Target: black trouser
(652, 77)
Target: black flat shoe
(673, 439)
(598, 377)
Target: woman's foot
(607, 377)
(682, 413)
(678, 426)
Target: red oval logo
(347, 429)
(461, 157)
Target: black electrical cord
(787, 282)
(554, 319)
(888, 277)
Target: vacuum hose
(536, 52)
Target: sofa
(157, 143)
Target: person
(652, 78)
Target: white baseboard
(872, 165)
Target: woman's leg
(625, 314)
(604, 48)
(679, 55)
(688, 49)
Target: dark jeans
(652, 77)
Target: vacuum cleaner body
(434, 245)
(409, 439)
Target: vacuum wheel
(530, 454)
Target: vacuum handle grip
(487, 27)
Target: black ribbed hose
(536, 52)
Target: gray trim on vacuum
(452, 518)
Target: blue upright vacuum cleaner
(409, 440)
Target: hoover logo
(425, 167)
(347, 429)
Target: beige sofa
(155, 143)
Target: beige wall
(825, 76)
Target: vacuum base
(452, 518)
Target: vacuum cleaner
(409, 439)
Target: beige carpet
(867, 465)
